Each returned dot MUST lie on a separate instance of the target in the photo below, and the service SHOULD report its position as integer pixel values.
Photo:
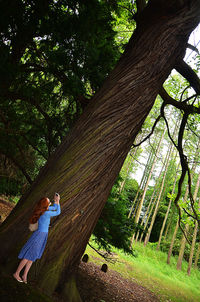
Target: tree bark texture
(85, 166)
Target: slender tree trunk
(146, 213)
(146, 176)
(85, 166)
(168, 226)
(143, 181)
(128, 168)
(159, 197)
(140, 188)
(149, 216)
(182, 249)
(172, 242)
(197, 257)
(175, 232)
(153, 203)
(137, 216)
(167, 213)
(195, 229)
(174, 185)
(183, 241)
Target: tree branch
(189, 127)
(33, 101)
(34, 147)
(192, 47)
(141, 4)
(166, 122)
(186, 71)
(17, 164)
(105, 256)
(152, 130)
(190, 109)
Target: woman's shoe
(24, 280)
(19, 280)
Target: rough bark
(84, 168)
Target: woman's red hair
(40, 208)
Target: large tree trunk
(84, 168)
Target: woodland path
(97, 286)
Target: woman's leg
(26, 270)
(22, 263)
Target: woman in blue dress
(34, 247)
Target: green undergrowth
(149, 269)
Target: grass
(150, 270)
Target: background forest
(45, 88)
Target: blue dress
(34, 247)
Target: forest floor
(96, 286)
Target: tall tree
(173, 190)
(85, 166)
(137, 215)
(52, 62)
(195, 230)
(172, 242)
(182, 248)
(183, 240)
(167, 212)
(166, 164)
(197, 257)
